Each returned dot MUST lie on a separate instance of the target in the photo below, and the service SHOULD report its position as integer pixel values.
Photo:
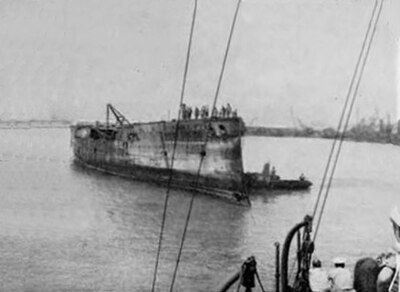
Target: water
(67, 229)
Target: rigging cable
(339, 127)
(203, 153)
(164, 215)
(348, 118)
(337, 134)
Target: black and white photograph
(200, 145)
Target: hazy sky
(290, 59)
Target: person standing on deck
(183, 111)
(389, 276)
(318, 277)
(222, 112)
(234, 113)
(340, 277)
(274, 176)
(214, 113)
(228, 110)
(196, 112)
(203, 112)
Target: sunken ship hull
(144, 151)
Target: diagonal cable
(339, 127)
(348, 119)
(176, 134)
(203, 153)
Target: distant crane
(295, 124)
(301, 124)
(121, 119)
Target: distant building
(398, 127)
(381, 126)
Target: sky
(290, 62)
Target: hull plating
(144, 151)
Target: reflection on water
(66, 228)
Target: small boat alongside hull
(256, 181)
(281, 184)
(287, 184)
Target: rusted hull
(144, 152)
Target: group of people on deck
(202, 113)
(340, 278)
(336, 280)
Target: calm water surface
(67, 229)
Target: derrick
(119, 117)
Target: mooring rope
(259, 282)
(342, 136)
(176, 134)
(203, 152)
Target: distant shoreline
(382, 135)
(355, 134)
(34, 124)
